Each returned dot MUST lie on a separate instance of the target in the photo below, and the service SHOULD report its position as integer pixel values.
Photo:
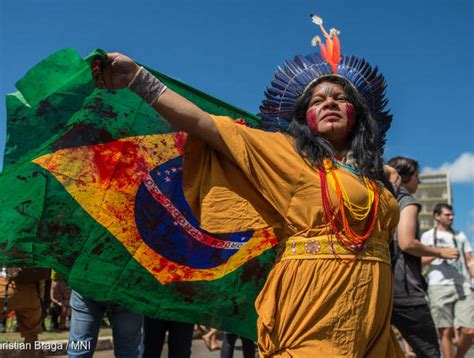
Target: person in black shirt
(411, 314)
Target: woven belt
(318, 247)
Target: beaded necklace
(337, 217)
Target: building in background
(434, 188)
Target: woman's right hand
(118, 73)
(182, 114)
(449, 253)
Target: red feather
(336, 54)
(324, 52)
(331, 50)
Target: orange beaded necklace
(337, 216)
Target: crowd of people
(37, 301)
(441, 308)
(350, 254)
(425, 313)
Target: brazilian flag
(92, 187)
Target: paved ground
(199, 350)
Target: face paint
(312, 120)
(351, 115)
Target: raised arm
(121, 71)
(408, 243)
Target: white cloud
(460, 171)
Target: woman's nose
(329, 102)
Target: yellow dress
(312, 304)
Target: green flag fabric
(74, 197)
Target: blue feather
(290, 81)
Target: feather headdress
(291, 81)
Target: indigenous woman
(315, 176)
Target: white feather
(333, 32)
(317, 20)
(316, 41)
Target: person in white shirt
(449, 283)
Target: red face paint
(351, 116)
(312, 120)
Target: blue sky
(230, 49)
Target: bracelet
(147, 86)
(438, 254)
(396, 188)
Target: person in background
(23, 290)
(411, 314)
(228, 345)
(180, 336)
(86, 317)
(60, 295)
(449, 283)
(210, 339)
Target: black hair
(405, 167)
(362, 139)
(438, 209)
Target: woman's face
(330, 114)
(412, 184)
